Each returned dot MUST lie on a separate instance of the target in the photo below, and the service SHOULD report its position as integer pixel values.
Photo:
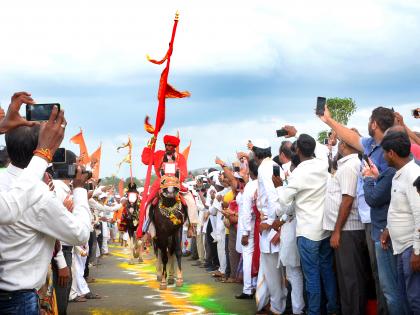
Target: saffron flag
(95, 162)
(186, 152)
(148, 127)
(165, 89)
(78, 139)
(121, 188)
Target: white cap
(102, 195)
(261, 143)
(212, 174)
(117, 196)
(237, 175)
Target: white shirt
(268, 204)
(23, 193)
(343, 182)
(306, 187)
(404, 209)
(26, 247)
(247, 216)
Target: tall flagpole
(158, 125)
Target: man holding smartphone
(380, 120)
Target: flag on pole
(121, 187)
(127, 159)
(186, 152)
(79, 140)
(95, 162)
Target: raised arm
(346, 134)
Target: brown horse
(168, 214)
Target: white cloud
(106, 40)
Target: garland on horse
(168, 213)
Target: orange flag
(172, 93)
(121, 188)
(95, 162)
(148, 126)
(78, 139)
(186, 152)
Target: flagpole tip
(177, 15)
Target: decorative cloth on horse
(169, 181)
(168, 139)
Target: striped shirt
(343, 182)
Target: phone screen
(281, 132)
(320, 105)
(40, 112)
(366, 158)
(276, 170)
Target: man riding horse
(170, 156)
(130, 220)
(168, 212)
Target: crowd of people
(313, 228)
(325, 229)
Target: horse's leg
(164, 252)
(158, 264)
(178, 254)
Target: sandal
(78, 299)
(229, 280)
(92, 296)
(217, 274)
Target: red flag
(95, 162)
(78, 139)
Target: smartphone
(89, 186)
(59, 156)
(40, 112)
(320, 106)
(326, 141)
(276, 170)
(366, 158)
(281, 132)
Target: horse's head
(169, 187)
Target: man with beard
(380, 120)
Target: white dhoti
(221, 252)
(105, 237)
(81, 287)
(275, 282)
(289, 257)
(247, 252)
(295, 277)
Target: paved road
(133, 289)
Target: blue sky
(251, 67)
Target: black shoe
(244, 296)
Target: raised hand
(12, 119)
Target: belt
(3, 292)
(66, 247)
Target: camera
(64, 165)
(416, 113)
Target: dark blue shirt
(375, 152)
(378, 197)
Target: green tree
(341, 110)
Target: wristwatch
(416, 251)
